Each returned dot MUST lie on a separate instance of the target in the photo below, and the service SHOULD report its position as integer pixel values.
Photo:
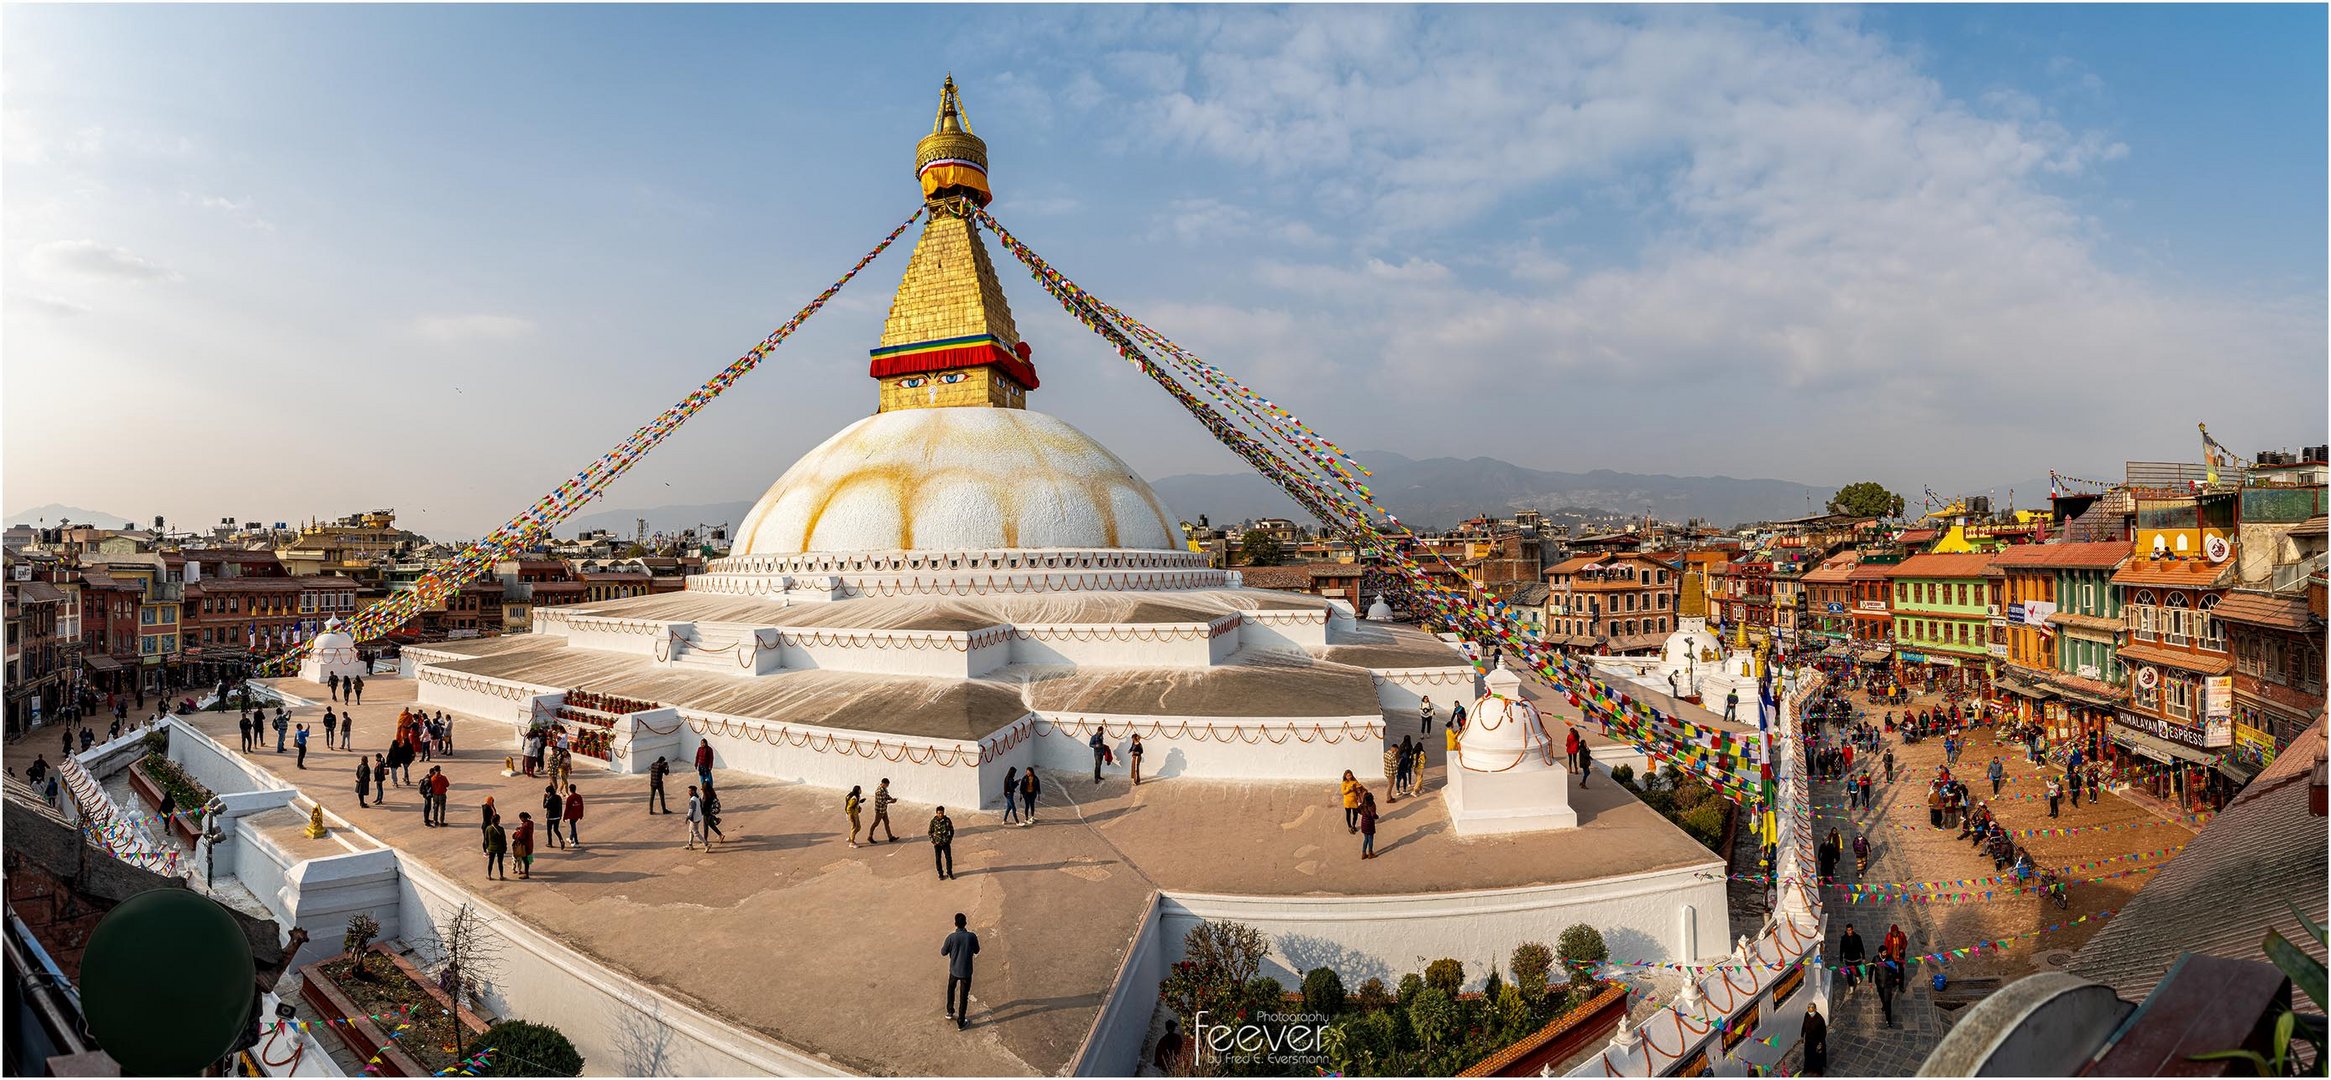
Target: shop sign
(2218, 710)
(2036, 612)
(2089, 671)
(1870, 605)
(1998, 648)
(1835, 608)
(2250, 738)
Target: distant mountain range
(1436, 493)
(48, 516)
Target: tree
(1866, 498)
(1323, 992)
(1262, 549)
(522, 1048)
(1582, 951)
(467, 956)
(1532, 961)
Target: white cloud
(54, 306)
(243, 210)
(89, 260)
(1813, 229)
(478, 327)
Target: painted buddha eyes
(911, 382)
(952, 377)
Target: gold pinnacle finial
(951, 161)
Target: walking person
(2072, 782)
(851, 802)
(439, 785)
(1816, 1034)
(522, 846)
(1851, 954)
(1351, 795)
(1031, 790)
(1404, 766)
(330, 722)
(282, 725)
(942, 833)
(696, 820)
(359, 690)
(1585, 763)
(497, 847)
(332, 681)
(1100, 751)
(299, 743)
(712, 816)
(1732, 705)
(363, 782)
(1570, 746)
(246, 726)
(2055, 797)
(379, 779)
(704, 762)
(1133, 757)
(656, 772)
(959, 948)
(1011, 799)
(1889, 764)
(1367, 825)
(1424, 715)
(553, 809)
(574, 816)
(882, 800)
(1887, 976)
(1392, 774)
(1997, 773)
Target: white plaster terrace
(828, 954)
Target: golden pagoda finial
(951, 162)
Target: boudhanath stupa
(965, 585)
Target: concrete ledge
(2048, 1024)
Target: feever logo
(1267, 1038)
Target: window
(2211, 631)
(2146, 699)
(2177, 697)
(146, 616)
(307, 603)
(2140, 617)
(2088, 596)
(2176, 621)
(1901, 592)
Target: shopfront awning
(2159, 749)
(2238, 769)
(1837, 652)
(101, 663)
(2024, 689)
(1875, 656)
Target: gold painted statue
(316, 829)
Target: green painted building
(1942, 607)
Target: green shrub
(1323, 992)
(1373, 994)
(1509, 1013)
(1219, 960)
(1433, 1016)
(1532, 963)
(1446, 976)
(1704, 823)
(1411, 985)
(1624, 775)
(522, 1048)
(184, 792)
(1368, 1041)
(157, 741)
(1582, 948)
(1263, 994)
(1490, 985)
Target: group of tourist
(350, 685)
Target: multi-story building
(1873, 605)
(160, 601)
(2274, 611)
(2180, 713)
(1942, 607)
(1616, 603)
(2061, 622)
(1829, 599)
(40, 658)
(351, 545)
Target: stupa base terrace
(786, 951)
(949, 693)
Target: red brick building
(1622, 603)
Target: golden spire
(951, 161)
(949, 341)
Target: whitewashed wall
(934, 780)
(1062, 744)
(1403, 689)
(1112, 1047)
(1667, 916)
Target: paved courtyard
(1905, 849)
(789, 931)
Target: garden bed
(332, 988)
(166, 788)
(1584, 1024)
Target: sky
(277, 261)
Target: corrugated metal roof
(2087, 555)
(2260, 609)
(2239, 877)
(2176, 658)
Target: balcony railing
(2292, 575)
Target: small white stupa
(333, 652)
(1379, 611)
(1508, 774)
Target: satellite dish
(166, 983)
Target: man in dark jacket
(1100, 750)
(1816, 1043)
(959, 948)
(656, 773)
(1851, 953)
(943, 843)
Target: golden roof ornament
(951, 161)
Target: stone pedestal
(1507, 775)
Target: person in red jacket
(574, 816)
(1570, 748)
(704, 761)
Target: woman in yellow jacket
(1351, 802)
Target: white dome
(960, 479)
(1504, 732)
